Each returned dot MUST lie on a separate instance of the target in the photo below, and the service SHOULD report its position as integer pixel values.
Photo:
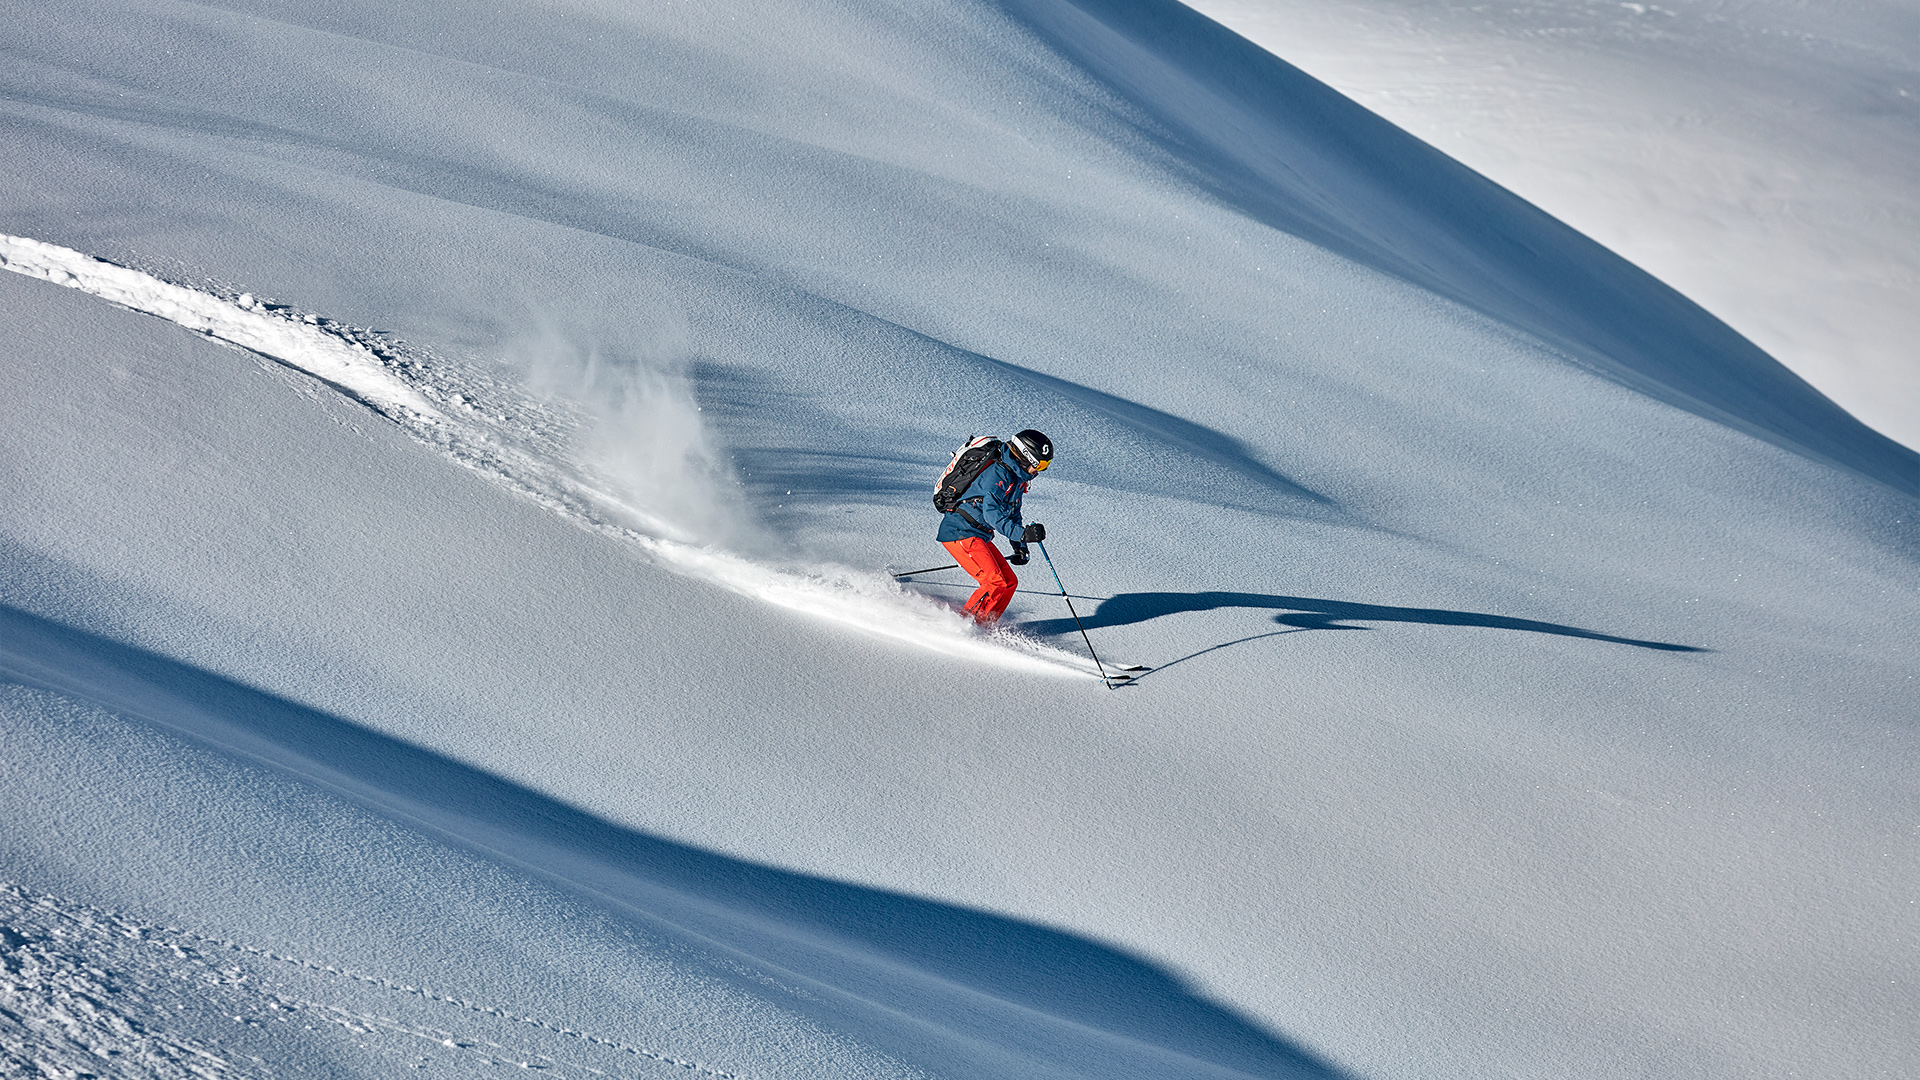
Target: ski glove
(1034, 534)
(1019, 556)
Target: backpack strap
(961, 509)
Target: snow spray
(642, 445)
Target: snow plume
(644, 457)
(642, 449)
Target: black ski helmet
(1033, 448)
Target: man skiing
(992, 502)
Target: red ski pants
(988, 567)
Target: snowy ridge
(348, 366)
(1289, 151)
(776, 949)
(1759, 157)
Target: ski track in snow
(327, 350)
(348, 366)
(87, 992)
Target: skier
(990, 502)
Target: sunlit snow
(460, 632)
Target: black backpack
(976, 457)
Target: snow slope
(1758, 156)
(1531, 696)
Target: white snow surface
(1533, 687)
(1761, 156)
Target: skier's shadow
(1307, 613)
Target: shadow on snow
(957, 984)
(823, 452)
(1291, 152)
(1306, 613)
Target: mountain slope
(1506, 718)
(1759, 157)
(1307, 161)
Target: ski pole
(1075, 614)
(928, 570)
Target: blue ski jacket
(994, 500)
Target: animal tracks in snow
(86, 992)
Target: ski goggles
(1041, 466)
